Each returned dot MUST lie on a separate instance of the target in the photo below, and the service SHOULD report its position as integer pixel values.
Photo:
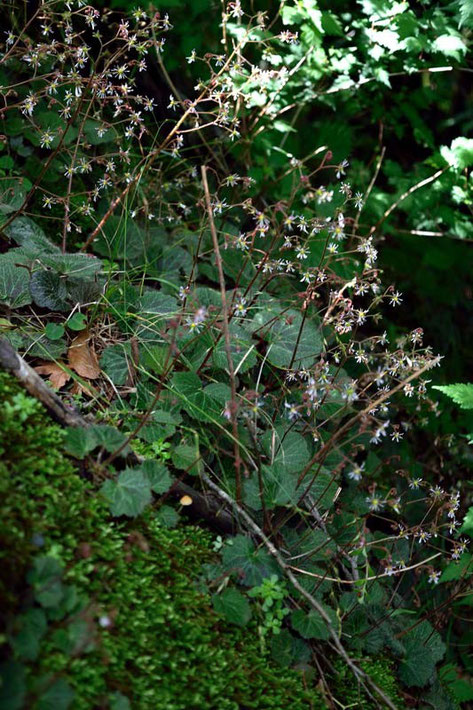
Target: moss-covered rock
(109, 614)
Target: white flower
(423, 536)
(357, 472)
(395, 299)
(292, 412)
(375, 503)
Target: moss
(349, 692)
(164, 647)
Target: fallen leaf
(57, 375)
(82, 357)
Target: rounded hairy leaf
(233, 605)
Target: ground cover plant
(193, 259)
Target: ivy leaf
(49, 290)
(462, 394)
(233, 606)
(252, 565)
(129, 494)
(158, 475)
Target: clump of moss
(381, 671)
(154, 641)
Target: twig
(408, 192)
(365, 579)
(226, 332)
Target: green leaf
(12, 685)
(49, 290)
(194, 397)
(118, 701)
(78, 321)
(114, 362)
(45, 577)
(458, 569)
(292, 342)
(129, 494)
(233, 606)
(108, 437)
(252, 565)
(33, 626)
(58, 696)
(187, 458)
(450, 45)
(242, 351)
(54, 331)
(311, 625)
(460, 153)
(28, 234)
(418, 668)
(167, 516)
(466, 13)
(462, 394)
(157, 303)
(79, 441)
(288, 450)
(12, 195)
(424, 648)
(467, 526)
(14, 285)
(158, 475)
(81, 266)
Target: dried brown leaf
(82, 357)
(57, 375)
